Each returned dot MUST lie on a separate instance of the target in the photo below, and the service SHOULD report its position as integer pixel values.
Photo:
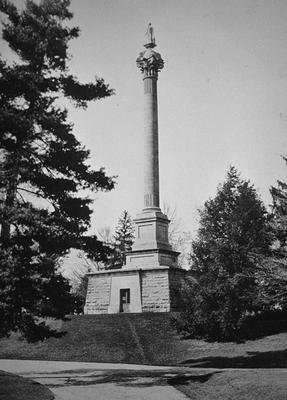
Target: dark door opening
(125, 299)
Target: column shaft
(151, 157)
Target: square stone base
(151, 290)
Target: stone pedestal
(151, 246)
(151, 230)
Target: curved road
(94, 381)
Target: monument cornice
(154, 251)
(128, 271)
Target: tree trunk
(10, 198)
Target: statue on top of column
(149, 61)
(149, 36)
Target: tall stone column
(151, 246)
(150, 63)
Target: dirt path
(93, 381)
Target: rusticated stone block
(155, 291)
(98, 294)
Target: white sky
(222, 97)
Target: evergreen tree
(279, 197)
(123, 240)
(232, 237)
(274, 273)
(42, 165)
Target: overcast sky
(222, 97)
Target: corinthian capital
(150, 62)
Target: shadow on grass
(253, 327)
(253, 359)
(41, 332)
(185, 379)
(140, 379)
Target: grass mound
(126, 338)
(236, 385)
(14, 387)
(144, 339)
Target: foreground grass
(126, 338)
(235, 385)
(152, 339)
(13, 387)
(144, 339)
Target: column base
(151, 247)
(151, 230)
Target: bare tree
(178, 238)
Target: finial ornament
(149, 61)
(149, 37)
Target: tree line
(237, 263)
(42, 166)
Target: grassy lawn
(13, 387)
(267, 352)
(133, 338)
(152, 339)
(144, 339)
(235, 385)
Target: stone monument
(150, 280)
(151, 225)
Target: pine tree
(274, 273)
(42, 165)
(123, 240)
(232, 237)
(279, 197)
